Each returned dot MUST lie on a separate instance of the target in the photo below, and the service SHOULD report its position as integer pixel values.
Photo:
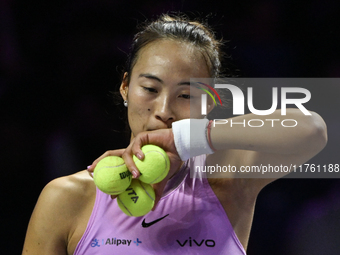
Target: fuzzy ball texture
(137, 200)
(111, 175)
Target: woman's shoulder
(68, 194)
(80, 183)
(68, 189)
(71, 193)
(61, 208)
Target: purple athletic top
(189, 219)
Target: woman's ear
(124, 86)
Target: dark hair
(178, 28)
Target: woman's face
(159, 90)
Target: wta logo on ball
(301, 95)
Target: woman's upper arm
(50, 223)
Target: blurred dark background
(60, 59)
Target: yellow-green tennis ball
(111, 175)
(155, 166)
(137, 200)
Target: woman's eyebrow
(150, 76)
(153, 77)
(185, 83)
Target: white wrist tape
(191, 142)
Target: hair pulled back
(178, 28)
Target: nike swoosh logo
(146, 225)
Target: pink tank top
(189, 219)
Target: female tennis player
(193, 215)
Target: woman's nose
(163, 110)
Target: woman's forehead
(171, 56)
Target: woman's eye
(150, 89)
(185, 96)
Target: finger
(135, 149)
(130, 164)
(90, 172)
(138, 142)
(106, 154)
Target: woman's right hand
(162, 138)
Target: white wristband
(191, 142)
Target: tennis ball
(111, 175)
(137, 200)
(155, 166)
